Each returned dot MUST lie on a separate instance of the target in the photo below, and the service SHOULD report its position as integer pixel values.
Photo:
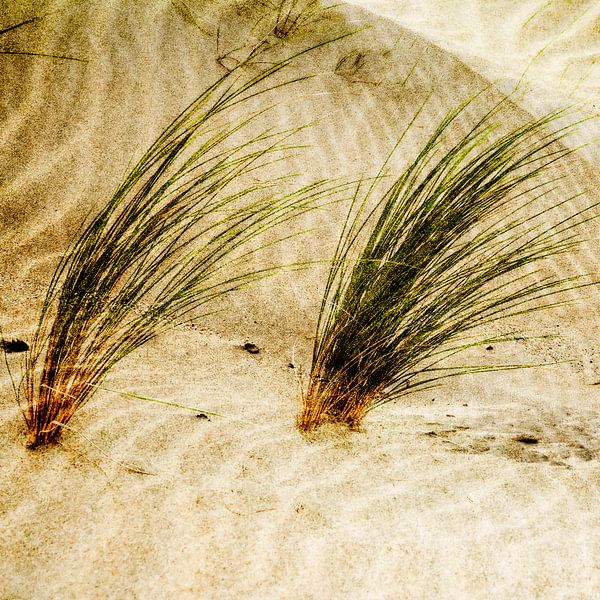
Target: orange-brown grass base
(326, 404)
(45, 426)
(45, 437)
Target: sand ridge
(552, 45)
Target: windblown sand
(441, 496)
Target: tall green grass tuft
(456, 242)
(173, 238)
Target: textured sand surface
(436, 498)
(553, 45)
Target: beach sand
(437, 497)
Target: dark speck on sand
(11, 346)
(252, 348)
(526, 439)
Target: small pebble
(203, 416)
(252, 348)
(490, 348)
(11, 346)
(526, 439)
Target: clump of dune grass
(455, 243)
(173, 239)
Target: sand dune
(551, 45)
(438, 498)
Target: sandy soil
(437, 498)
(551, 45)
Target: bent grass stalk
(167, 243)
(24, 23)
(449, 247)
(194, 409)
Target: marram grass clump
(173, 238)
(454, 243)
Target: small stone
(203, 416)
(526, 439)
(490, 348)
(12, 346)
(251, 348)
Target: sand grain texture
(438, 498)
